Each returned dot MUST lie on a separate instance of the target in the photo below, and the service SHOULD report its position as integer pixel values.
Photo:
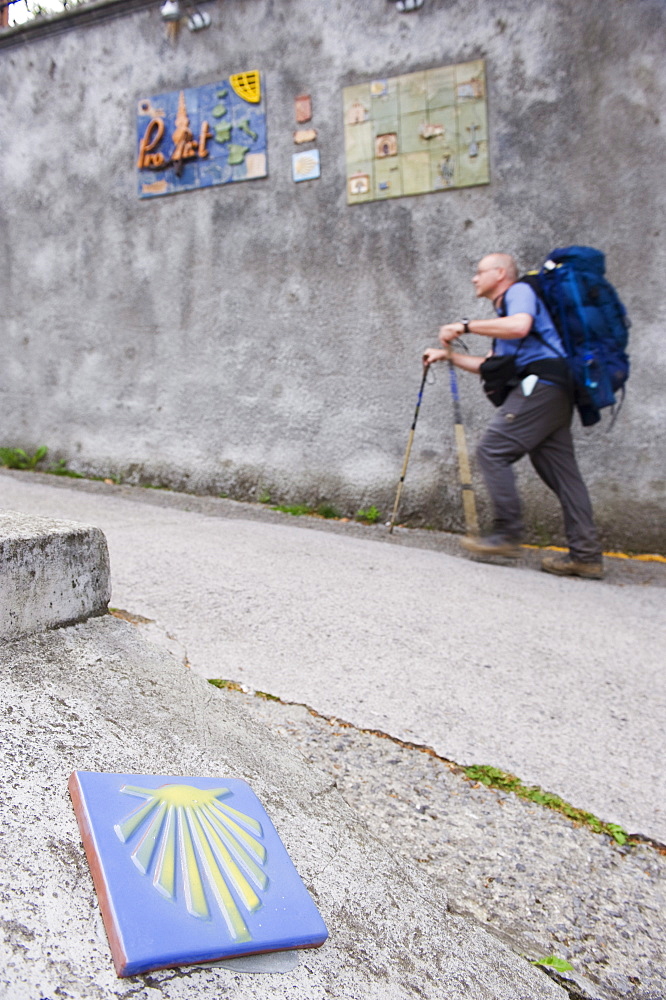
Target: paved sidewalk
(539, 882)
(559, 681)
(96, 697)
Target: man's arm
(503, 327)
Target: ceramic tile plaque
(306, 166)
(203, 136)
(188, 870)
(417, 133)
(303, 108)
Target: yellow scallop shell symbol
(199, 850)
(247, 85)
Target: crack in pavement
(527, 874)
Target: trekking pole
(468, 499)
(409, 448)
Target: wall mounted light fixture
(170, 10)
(405, 6)
(197, 20)
(174, 13)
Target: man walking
(535, 419)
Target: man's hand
(433, 354)
(450, 332)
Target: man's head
(495, 273)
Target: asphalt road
(559, 681)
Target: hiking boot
(567, 566)
(495, 545)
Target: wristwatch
(465, 323)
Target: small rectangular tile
(302, 135)
(188, 871)
(303, 108)
(306, 166)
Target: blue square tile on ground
(189, 870)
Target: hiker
(534, 419)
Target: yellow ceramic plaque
(247, 85)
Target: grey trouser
(538, 425)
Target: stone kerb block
(52, 573)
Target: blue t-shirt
(520, 298)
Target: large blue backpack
(592, 323)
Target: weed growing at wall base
(295, 509)
(17, 458)
(327, 511)
(61, 470)
(370, 516)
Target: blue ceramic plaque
(202, 136)
(189, 870)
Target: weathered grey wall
(266, 336)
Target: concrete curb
(53, 573)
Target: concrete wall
(265, 336)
